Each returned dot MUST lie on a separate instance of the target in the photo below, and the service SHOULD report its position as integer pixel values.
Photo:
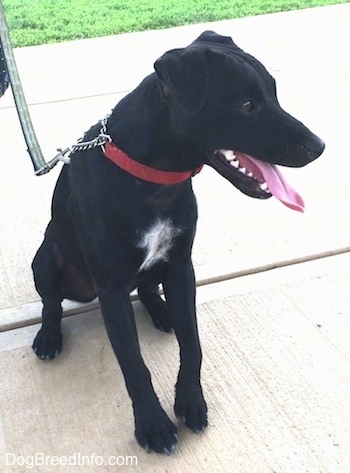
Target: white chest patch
(157, 241)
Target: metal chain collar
(100, 140)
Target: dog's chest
(156, 241)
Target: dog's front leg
(153, 429)
(180, 287)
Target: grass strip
(34, 22)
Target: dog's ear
(183, 79)
(218, 39)
(212, 37)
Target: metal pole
(40, 167)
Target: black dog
(126, 219)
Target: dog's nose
(317, 149)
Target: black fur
(200, 99)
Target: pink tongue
(277, 185)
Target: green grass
(34, 22)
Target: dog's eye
(247, 106)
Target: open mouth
(256, 178)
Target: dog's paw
(47, 343)
(191, 408)
(159, 313)
(156, 432)
(161, 319)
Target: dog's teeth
(242, 170)
(229, 155)
(264, 186)
(234, 163)
(250, 174)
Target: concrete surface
(276, 343)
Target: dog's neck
(134, 132)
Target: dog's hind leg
(56, 279)
(155, 305)
(46, 270)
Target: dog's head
(224, 101)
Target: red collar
(144, 172)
